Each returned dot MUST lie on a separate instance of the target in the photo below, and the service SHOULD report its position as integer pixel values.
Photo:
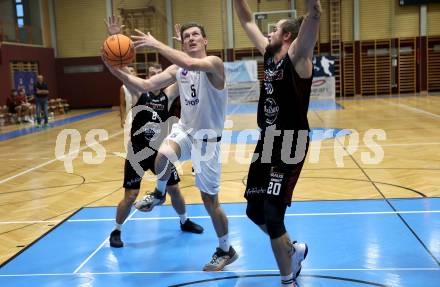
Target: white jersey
(203, 107)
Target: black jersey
(284, 97)
(148, 112)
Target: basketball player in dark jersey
(149, 110)
(282, 118)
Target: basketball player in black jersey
(149, 108)
(282, 118)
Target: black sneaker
(190, 226)
(220, 259)
(115, 239)
(150, 200)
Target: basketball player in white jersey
(197, 135)
(157, 105)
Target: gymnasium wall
(80, 28)
(433, 20)
(87, 89)
(45, 29)
(6, 19)
(209, 13)
(158, 23)
(80, 32)
(46, 64)
(240, 38)
(347, 20)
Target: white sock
(183, 218)
(161, 185)
(287, 281)
(118, 226)
(223, 243)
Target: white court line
(99, 247)
(229, 216)
(224, 271)
(414, 109)
(56, 159)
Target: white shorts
(205, 157)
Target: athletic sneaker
(220, 259)
(300, 251)
(150, 200)
(190, 226)
(115, 239)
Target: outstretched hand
(178, 38)
(144, 40)
(114, 25)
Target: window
(19, 13)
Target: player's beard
(274, 47)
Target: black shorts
(273, 181)
(132, 178)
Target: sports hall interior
(369, 223)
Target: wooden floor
(34, 185)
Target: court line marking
(56, 159)
(414, 109)
(229, 216)
(99, 247)
(224, 271)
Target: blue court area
(351, 243)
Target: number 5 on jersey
(193, 91)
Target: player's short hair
(292, 26)
(188, 25)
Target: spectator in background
(27, 109)
(31, 100)
(41, 92)
(14, 103)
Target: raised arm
(210, 64)
(157, 82)
(245, 16)
(42, 92)
(301, 50)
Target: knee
(254, 214)
(211, 202)
(173, 190)
(275, 225)
(165, 156)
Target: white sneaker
(300, 251)
(150, 200)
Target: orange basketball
(118, 50)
